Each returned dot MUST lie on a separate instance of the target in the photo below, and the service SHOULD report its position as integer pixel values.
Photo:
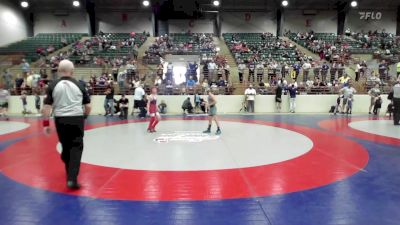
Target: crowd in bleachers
(180, 43)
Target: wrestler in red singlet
(153, 111)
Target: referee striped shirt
(67, 96)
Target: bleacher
(353, 46)
(116, 53)
(255, 40)
(29, 46)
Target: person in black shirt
(123, 104)
(109, 102)
(278, 98)
(69, 102)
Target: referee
(396, 103)
(69, 102)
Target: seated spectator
(221, 82)
(373, 79)
(187, 106)
(191, 82)
(123, 104)
(344, 79)
(158, 81)
(162, 107)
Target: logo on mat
(185, 136)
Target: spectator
(377, 105)
(296, 69)
(4, 97)
(138, 99)
(373, 93)
(252, 67)
(109, 102)
(162, 107)
(191, 82)
(241, 68)
(227, 72)
(278, 98)
(7, 78)
(158, 81)
(348, 91)
(292, 95)
(121, 79)
(260, 72)
(187, 106)
(373, 79)
(306, 70)
(26, 68)
(357, 71)
(396, 103)
(344, 79)
(123, 104)
(221, 82)
(324, 71)
(250, 94)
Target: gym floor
(286, 169)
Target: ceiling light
(354, 4)
(76, 3)
(146, 3)
(285, 3)
(216, 3)
(24, 4)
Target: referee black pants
(70, 133)
(396, 111)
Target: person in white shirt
(348, 92)
(241, 68)
(306, 70)
(250, 94)
(158, 81)
(211, 70)
(260, 72)
(4, 97)
(357, 71)
(138, 98)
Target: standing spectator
(212, 67)
(138, 99)
(170, 71)
(252, 68)
(121, 79)
(383, 69)
(4, 97)
(324, 71)
(109, 102)
(306, 70)
(292, 95)
(7, 78)
(241, 68)
(348, 91)
(26, 68)
(123, 104)
(70, 104)
(250, 94)
(296, 69)
(373, 93)
(54, 68)
(357, 71)
(278, 97)
(227, 72)
(260, 72)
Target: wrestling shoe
(73, 185)
(207, 131)
(218, 132)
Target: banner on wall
(370, 15)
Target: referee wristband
(46, 123)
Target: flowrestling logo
(185, 136)
(369, 15)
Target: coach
(70, 103)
